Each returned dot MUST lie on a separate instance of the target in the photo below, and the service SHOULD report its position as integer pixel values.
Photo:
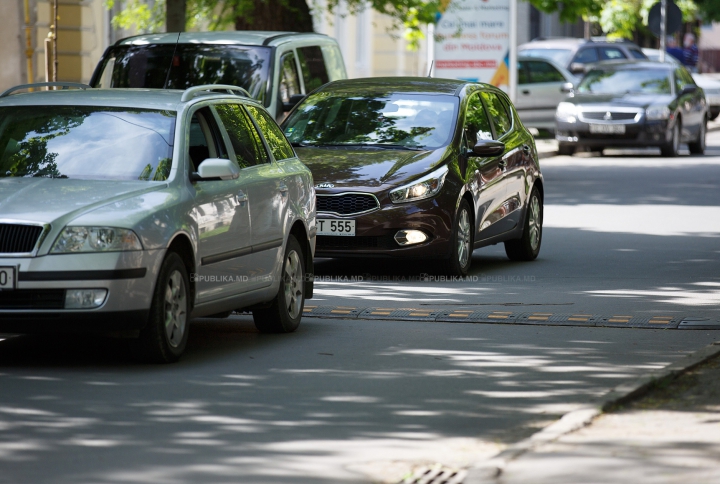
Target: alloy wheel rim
(293, 280)
(534, 223)
(463, 238)
(703, 130)
(676, 139)
(175, 309)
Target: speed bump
(477, 316)
(551, 319)
(403, 314)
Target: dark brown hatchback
(419, 168)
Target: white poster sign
(472, 41)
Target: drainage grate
(436, 474)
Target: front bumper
(641, 134)
(375, 231)
(38, 300)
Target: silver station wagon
(132, 211)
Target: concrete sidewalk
(669, 436)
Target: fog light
(84, 298)
(410, 237)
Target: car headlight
(657, 111)
(426, 187)
(95, 239)
(566, 112)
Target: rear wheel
(461, 242)
(285, 310)
(165, 337)
(527, 247)
(566, 149)
(697, 147)
(673, 146)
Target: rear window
(146, 66)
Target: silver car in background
(132, 211)
(542, 85)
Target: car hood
(621, 100)
(53, 200)
(366, 168)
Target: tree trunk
(175, 11)
(287, 15)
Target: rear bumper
(645, 133)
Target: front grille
(332, 242)
(15, 238)
(33, 299)
(347, 203)
(614, 116)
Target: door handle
(283, 188)
(241, 198)
(526, 149)
(526, 91)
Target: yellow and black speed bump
(332, 311)
(477, 316)
(552, 319)
(403, 314)
(629, 321)
(660, 321)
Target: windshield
(645, 81)
(398, 120)
(86, 142)
(560, 56)
(192, 65)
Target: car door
(266, 190)
(221, 215)
(288, 82)
(691, 104)
(506, 215)
(543, 92)
(486, 173)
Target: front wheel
(165, 337)
(461, 242)
(285, 310)
(673, 146)
(697, 147)
(527, 247)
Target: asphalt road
(346, 401)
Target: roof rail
(63, 85)
(195, 91)
(267, 41)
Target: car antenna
(172, 59)
(431, 66)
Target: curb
(487, 472)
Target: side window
(523, 77)
(205, 141)
(498, 113)
(477, 124)
(334, 62)
(544, 72)
(245, 141)
(279, 145)
(611, 53)
(586, 55)
(289, 80)
(313, 67)
(637, 54)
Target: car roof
(159, 99)
(231, 37)
(572, 42)
(409, 85)
(627, 64)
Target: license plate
(607, 128)
(344, 228)
(7, 278)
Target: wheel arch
(182, 246)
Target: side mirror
(294, 100)
(577, 68)
(488, 147)
(689, 89)
(216, 169)
(567, 87)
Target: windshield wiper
(386, 146)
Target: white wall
(12, 44)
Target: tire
(461, 244)
(565, 149)
(671, 149)
(527, 247)
(164, 338)
(285, 310)
(697, 147)
(712, 116)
